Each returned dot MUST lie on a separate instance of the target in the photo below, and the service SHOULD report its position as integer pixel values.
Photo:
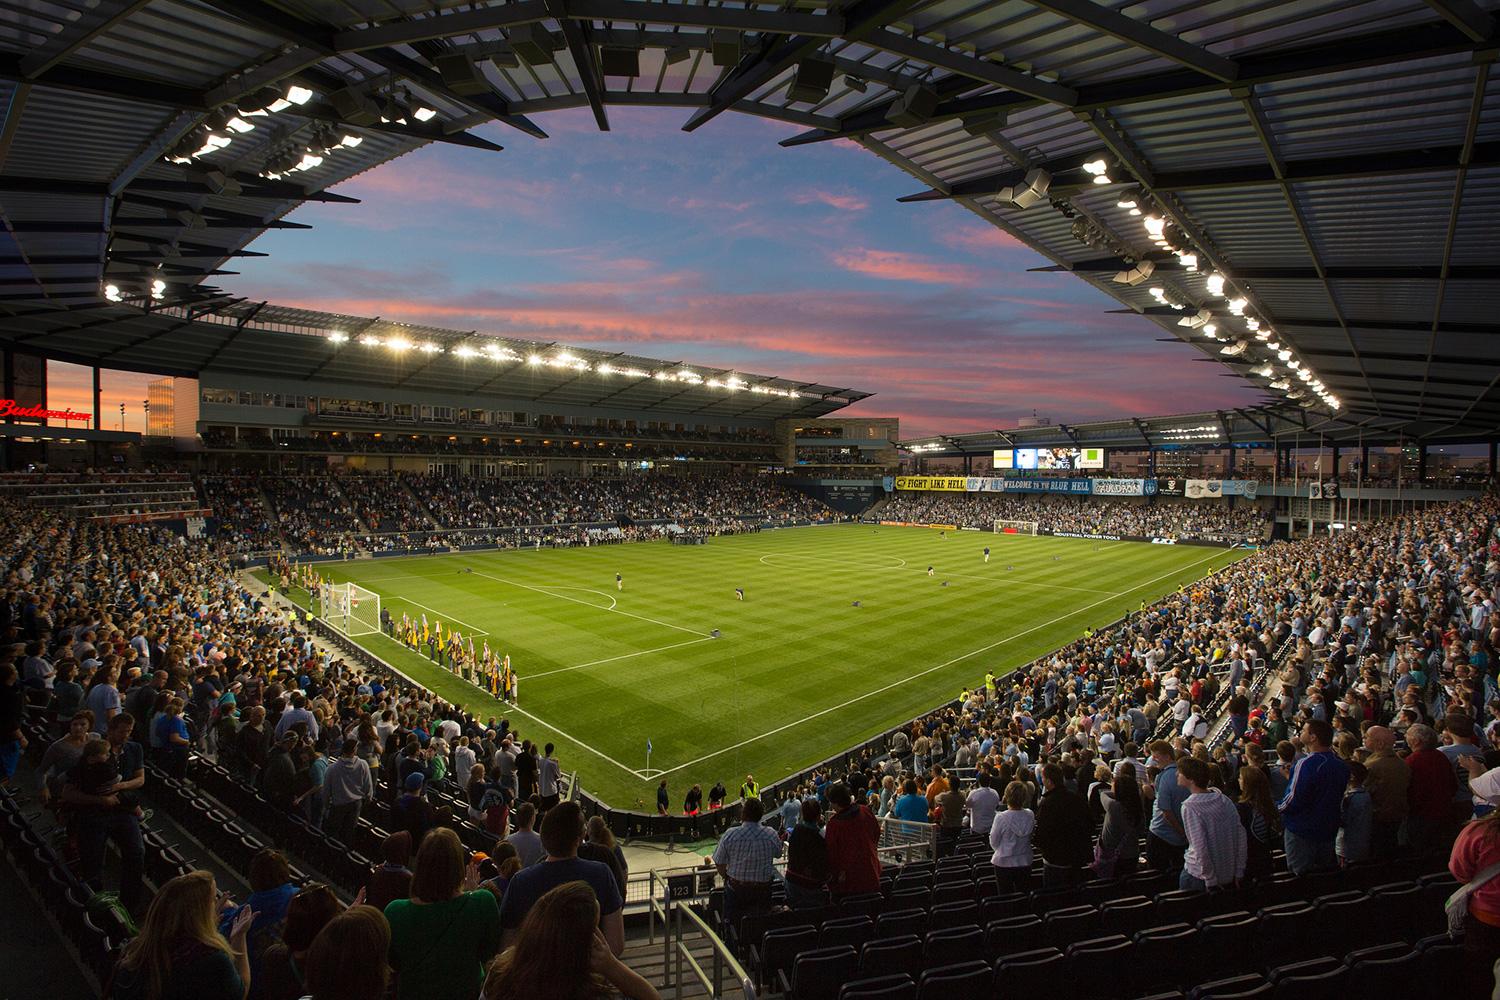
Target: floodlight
(1215, 283)
(1237, 306)
(338, 337)
(1032, 190)
(112, 292)
(1135, 275)
(298, 95)
(1197, 319)
(424, 114)
(398, 344)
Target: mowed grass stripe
(795, 647)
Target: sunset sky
(721, 248)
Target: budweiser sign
(10, 408)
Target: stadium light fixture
(424, 114)
(1155, 225)
(1211, 330)
(351, 140)
(1293, 364)
(298, 95)
(431, 348)
(1197, 319)
(1237, 306)
(534, 359)
(465, 351)
(238, 124)
(1215, 283)
(338, 337)
(1280, 385)
(1030, 191)
(1264, 371)
(112, 293)
(370, 340)
(1284, 354)
(1135, 275)
(1235, 349)
(398, 344)
(158, 289)
(1189, 261)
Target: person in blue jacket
(1313, 805)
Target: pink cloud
(979, 239)
(896, 265)
(833, 199)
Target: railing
(678, 954)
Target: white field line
(585, 590)
(825, 559)
(612, 659)
(475, 629)
(948, 663)
(615, 611)
(1003, 581)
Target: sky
(720, 248)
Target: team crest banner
(1120, 487)
(1202, 489)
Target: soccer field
(798, 672)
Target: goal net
(350, 608)
(1015, 527)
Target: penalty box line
(948, 663)
(596, 607)
(622, 656)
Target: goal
(1015, 527)
(350, 608)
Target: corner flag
(648, 745)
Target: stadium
(1103, 598)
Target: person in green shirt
(444, 936)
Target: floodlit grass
(798, 673)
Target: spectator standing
(1356, 824)
(348, 959)
(852, 835)
(281, 973)
(1215, 855)
(982, 804)
(391, 879)
(1010, 839)
(807, 869)
(349, 788)
(1064, 831)
(1386, 781)
(444, 936)
(1166, 842)
(1430, 794)
(911, 806)
(1310, 810)
(1119, 849)
(12, 717)
(107, 812)
(527, 843)
(562, 832)
(547, 774)
(745, 859)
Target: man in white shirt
(981, 805)
(547, 773)
(463, 762)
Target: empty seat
(1234, 988)
(946, 915)
(1013, 935)
(853, 931)
(899, 922)
(880, 988)
(891, 957)
(1129, 914)
(1386, 972)
(1181, 906)
(909, 899)
(1096, 967)
(954, 892)
(1316, 979)
(1288, 932)
(1402, 904)
(777, 950)
(1430, 917)
(819, 974)
(1030, 974)
(1442, 965)
(1005, 904)
(1349, 919)
(957, 981)
(1230, 942)
(1158, 963)
(953, 945)
(1069, 924)
(867, 903)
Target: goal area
(350, 608)
(1015, 527)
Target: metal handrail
(723, 960)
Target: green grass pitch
(798, 672)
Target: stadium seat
(891, 956)
(945, 915)
(1287, 932)
(881, 988)
(909, 899)
(1159, 957)
(1029, 974)
(1402, 904)
(774, 954)
(1013, 935)
(853, 931)
(1442, 972)
(1316, 979)
(1430, 917)
(1181, 906)
(953, 892)
(894, 923)
(955, 981)
(1235, 988)
(1349, 919)
(1070, 924)
(953, 945)
(1381, 972)
(1006, 904)
(1231, 941)
(867, 904)
(819, 974)
(1096, 967)
(1127, 915)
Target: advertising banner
(1119, 487)
(1073, 486)
(1240, 488)
(1003, 459)
(888, 483)
(1091, 458)
(1169, 487)
(1201, 489)
(949, 484)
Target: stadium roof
(223, 339)
(1336, 162)
(1245, 426)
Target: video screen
(1026, 458)
(1056, 458)
(1004, 458)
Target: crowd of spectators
(1210, 520)
(342, 514)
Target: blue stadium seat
(1394, 971)
(1070, 924)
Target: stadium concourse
(1284, 757)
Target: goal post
(350, 608)
(1015, 527)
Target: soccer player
(986, 553)
(619, 582)
(739, 593)
(929, 570)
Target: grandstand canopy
(1305, 190)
